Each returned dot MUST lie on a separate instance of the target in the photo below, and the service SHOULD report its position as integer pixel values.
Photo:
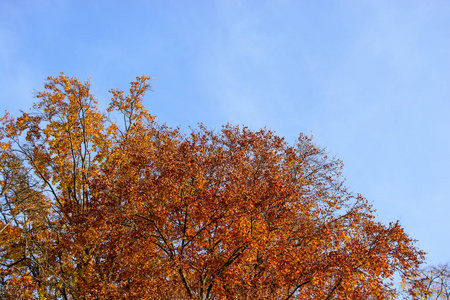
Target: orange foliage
(93, 209)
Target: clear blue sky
(369, 79)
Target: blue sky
(368, 79)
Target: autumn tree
(96, 209)
(49, 153)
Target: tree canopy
(96, 209)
